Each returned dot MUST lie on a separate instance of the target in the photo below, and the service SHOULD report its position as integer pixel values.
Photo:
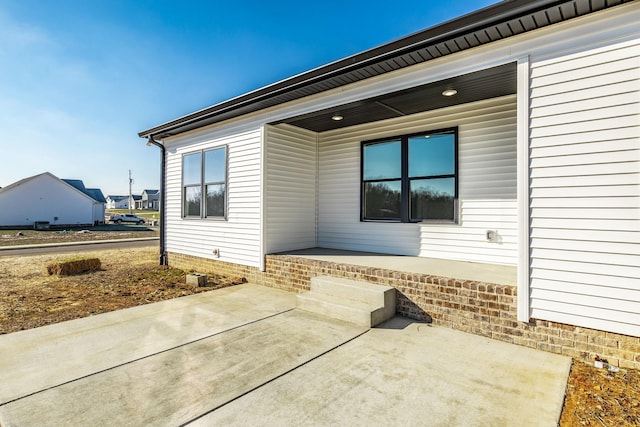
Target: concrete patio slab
(410, 374)
(243, 355)
(45, 357)
(183, 383)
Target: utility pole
(130, 194)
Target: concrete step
(335, 308)
(354, 290)
(361, 303)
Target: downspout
(163, 198)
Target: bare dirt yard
(30, 298)
(596, 397)
(83, 234)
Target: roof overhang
(496, 22)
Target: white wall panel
(237, 238)
(487, 182)
(585, 188)
(290, 192)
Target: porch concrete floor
(245, 355)
(480, 272)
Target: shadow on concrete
(400, 323)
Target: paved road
(41, 250)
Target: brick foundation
(479, 308)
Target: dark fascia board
(489, 16)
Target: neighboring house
(506, 137)
(137, 201)
(151, 199)
(123, 202)
(95, 194)
(117, 202)
(46, 198)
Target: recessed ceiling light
(449, 92)
(337, 117)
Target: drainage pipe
(163, 197)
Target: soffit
(490, 83)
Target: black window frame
(203, 185)
(405, 197)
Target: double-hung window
(204, 184)
(411, 178)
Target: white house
(150, 199)
(509, 136)
(46, 198)
(117, 202)
(136, 201)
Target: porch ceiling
(484, 84)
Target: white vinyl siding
(487, 187)
(290, 188)
(585, 188)
(238, 238)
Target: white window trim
(203, 186)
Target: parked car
(119, 218)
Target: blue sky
(80, 78)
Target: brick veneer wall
(479, 308)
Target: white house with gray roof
(45, 198)
(150, 199)
(507, 137)
(117, 202)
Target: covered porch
(469, 296)
(317, 195)
(459, 270)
